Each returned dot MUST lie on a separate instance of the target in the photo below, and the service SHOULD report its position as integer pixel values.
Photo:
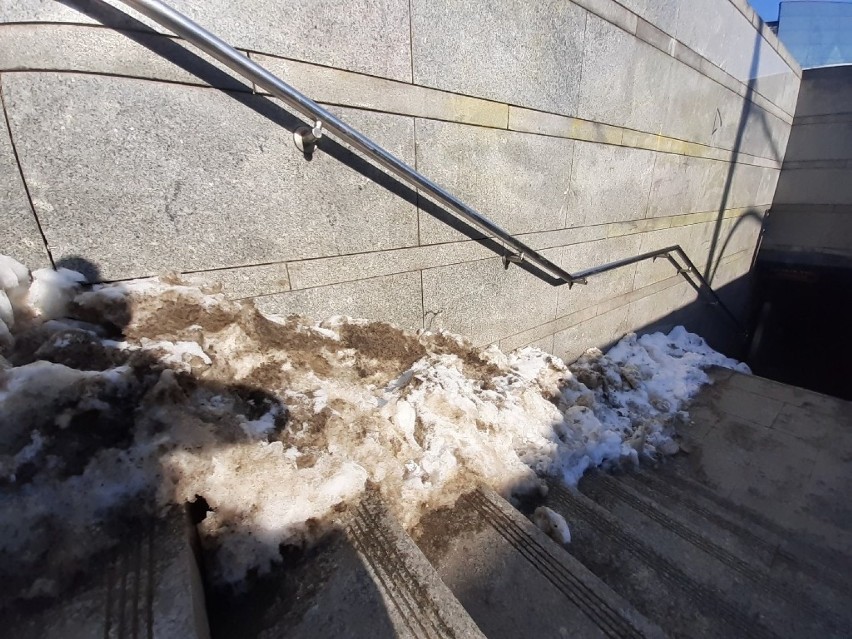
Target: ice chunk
(13, 273)
(51, 291)
(7, 341)
(7, 314)
(553, 524)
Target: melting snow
(153, 392)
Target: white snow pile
(132, 396)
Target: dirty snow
(152, 392)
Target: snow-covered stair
(368, 579)
(517, 582)
(149, 587)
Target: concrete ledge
(771, 38)
(333, 86)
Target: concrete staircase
(747, 533)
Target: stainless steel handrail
(688, 270)
(182, 26)
(217, 48)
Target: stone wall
(591, 129)
(811, 218)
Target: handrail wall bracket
(306, 138)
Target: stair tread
(366, 579)
(644, 574)
(517, 582)
(779, 452)
(763, 539)
(720, 563)
(147, 587)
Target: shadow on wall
(708, 321)
(748, 109)
(170, 50)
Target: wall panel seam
(741, 157)
(288, 263)
(429, 268)
(251, 53)
(8, 124)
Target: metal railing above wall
(306, 139)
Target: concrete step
(149, 587)
(788, 557)
(778, 451)
(515, 581)
(721, 563)
(368, 579)
(641, 571)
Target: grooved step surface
(779, 452)
(420, 599)
(788, 607)
(639, 571)
(757, 537)
(148, 588)
(365, 579)
(517, 582)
